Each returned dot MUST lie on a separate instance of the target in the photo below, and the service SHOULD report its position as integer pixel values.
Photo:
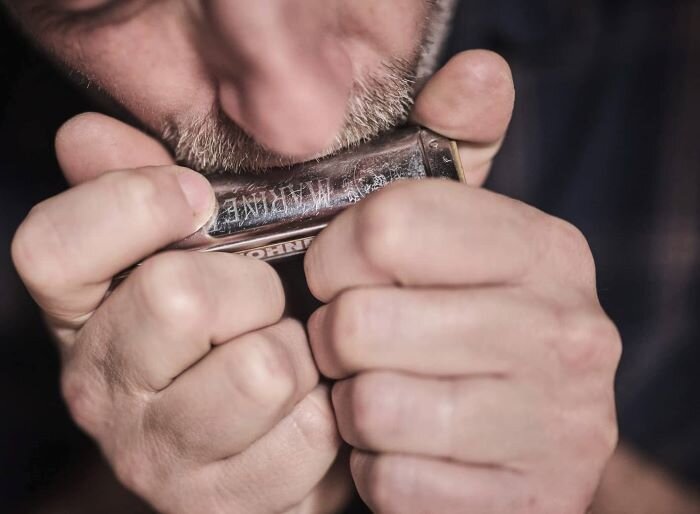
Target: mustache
(215, 144)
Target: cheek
(149, 64)
(153, 66)
(385, 28)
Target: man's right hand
(201, 395)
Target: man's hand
(475, 363)
(201, 395)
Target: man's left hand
(475, 363)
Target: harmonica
(278, 214)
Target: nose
(283, 75)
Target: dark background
(42, 453)
(39, 446)
(595, 86)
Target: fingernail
(199, 195)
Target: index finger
(70, 246)
(426, 233)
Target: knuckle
(288, 329)
(261, 372)
(595, 439)
(315, 420)
(390, 485)
(348, 322)
(569, 234)
(610, 436)
(37, 251)
(83, 400)
(291, 338)
(171, 289)
(588, 342)
(23, 244)
(374, 408)
(568, 241)
(269, 288)
(386, 222)
(611, 338)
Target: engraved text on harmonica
(247, 209)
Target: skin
(268, 64)
(474, 369)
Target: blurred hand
(201, 395)
(475, 363)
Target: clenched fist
(201, 395)
(475, 363)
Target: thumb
(91, 144)
(470, 100)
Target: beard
(378, 103)
(215, 144)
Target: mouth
(214, 144)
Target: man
(474, 379)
